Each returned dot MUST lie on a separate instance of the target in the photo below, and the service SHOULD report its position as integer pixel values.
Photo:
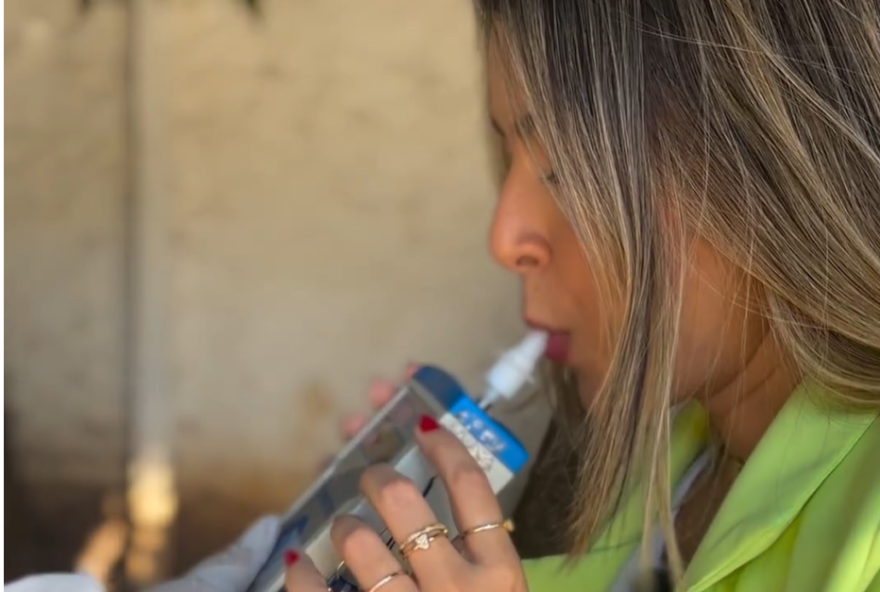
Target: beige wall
(64, 277)
(330, 196)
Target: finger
(325, 462)
(380, 392)
(367, 557)
(404, 511)
(411, 369)
(352, 424)
(458, 543)
(301, 574)
(471, 497)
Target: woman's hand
(487, 561)
(380, 392)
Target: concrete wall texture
(331, 188)
(65, 167)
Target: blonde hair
(756, 124)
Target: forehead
(505, 101)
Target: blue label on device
(485, 430)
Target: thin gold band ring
(386, 579)
(506, 525)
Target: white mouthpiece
(514, 369)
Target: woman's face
(531, 237)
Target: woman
(692, 202)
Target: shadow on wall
(211, 518)
(21, 530)
(48, 541)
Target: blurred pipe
(151, 495)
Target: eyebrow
(524, 127)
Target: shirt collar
(803, 445)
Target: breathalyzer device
(389, 438)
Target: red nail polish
(290, 557)
(428, 423)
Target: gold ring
(386, 579)
(422, 538)
(506, 525)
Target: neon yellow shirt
(803, 515)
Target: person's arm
(233, 570)
(55, 583)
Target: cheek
(697, 352)
(592, 319)
(711, 333)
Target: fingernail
(290, 557)
(428, 423)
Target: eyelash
(550, 178)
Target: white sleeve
(233, 570)
(54, 583)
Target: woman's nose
(518, 242)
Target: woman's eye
(505, 165)
(506, 160)
(549, 178)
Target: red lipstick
(558, 342)
(558, 345)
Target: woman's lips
(558, 342)
(558, 345)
